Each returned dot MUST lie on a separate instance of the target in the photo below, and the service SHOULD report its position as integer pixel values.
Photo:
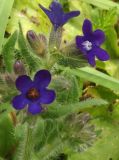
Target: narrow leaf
(8, 52)
(97, 77)
(30, 59)
(5, 9)
(105, 4)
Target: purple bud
(37, 42)
(19, 68)
(31, 35)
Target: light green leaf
(59, 110)
(32, 60)
(105, 4)
(97, 77)
(7, 138)
(8, 52)
(5, 9)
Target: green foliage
(97, 77)
(25, 144)
(31, 60)
(63, 127)
(106, 4)
(109, 139)
(8, 52)
(30, 16)
(102, 92)
(7, 137)
(72, 61)
(59, 110)
(67, 88)
(5, 107)
(5, 9)
(50, 131)
(106, 19)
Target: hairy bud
(19, 68)
(80, 131)
(37, 42)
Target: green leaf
(106, 147)
(67, 88)
(97, 77)
(25, 146)
(105, 4)
(5, 9)
(38, 134)
(59, 110)
(5, 107)
(102, 92)
(50, 151)
(8, 52)
(72, 61)
(47, 140)
(7, 138)
(31, 60)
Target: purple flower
(33, 93)
(56, 14)
(89, 44)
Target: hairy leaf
(8, 52)
(30, 59)
(7, 138)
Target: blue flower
(34, 93)
(56, 14)
(90, 43)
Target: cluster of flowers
(34, 94)
(89, 44)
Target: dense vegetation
(81, 120)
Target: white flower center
(87, 45)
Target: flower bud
(19, 68)
(37, 42)
(80, 130)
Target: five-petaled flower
(89, 44)
(56, 14)
(34, 93)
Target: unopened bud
(37, 42)
(19, 68)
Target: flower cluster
(34, 94)
(56, 14)
(89, 44)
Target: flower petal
(55, 15)
(79, 41)
(34, 108)
(70, 15)
(42, 78)
(98, 37)
(47, 12)
(87, 27)
(23, 83)
(101, 54)
(19, 102)
(91, 58)
(55, 6)
(47, 96)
